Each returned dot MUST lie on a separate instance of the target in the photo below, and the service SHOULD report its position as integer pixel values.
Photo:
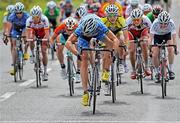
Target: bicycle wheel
(15, 72)
(52, 53)
(113, 87)
(163, 83)
(118, 74)
(70, 76)
(140, 77)
(95, 79)
(20, 65)
(38, 71)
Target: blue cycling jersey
(99, 34)
(18, 24)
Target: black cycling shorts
(158, 39)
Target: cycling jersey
(49, 15)
(129, 9)
(39, 28)
(150, 16)
(138, 31)
(103, 8)
(18, 24)
(83, 40)
(61, 29)
(115, 27)
(159, 29)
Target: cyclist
(147, 8)
(157, 9)
(133, 5)
(38, 25)
(16, 26)
(163, 28)
(62, 33)
(117, 25)
(81, 12)
(138, 27)
(91, 27)
(9, 10)
(124, 4)
(66, 10)
(52, 13)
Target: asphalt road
(22, 101)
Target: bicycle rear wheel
(70, 76)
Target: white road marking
(28, 82)
(6, 96)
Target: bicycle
(95, 83)
(37, 62)
(118, 63)
(19, 61)
(164, 69)
(71, 72)
(139, 66)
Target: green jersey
(150, 16)
(47, 13)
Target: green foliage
(28, 5)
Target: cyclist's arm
(69, 44)
(8, 29)
(113, 38)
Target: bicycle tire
(52, 53)
(118, 74)
(163, 83)
(38, 70)
(113, 87)
(15, 71)
(20, 67)
(140, 77)
(95, 79)
(70, 75)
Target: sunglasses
(112, 15)
(19, 13)
(138, 19)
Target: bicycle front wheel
(20, 67)
(163, 83)
(95, 81)
(70, 76)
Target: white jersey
(130, 9)
(158, 29)
(146, 23)
(44, 23)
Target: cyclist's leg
(26, 55)
(31, 45)
(144, 45)
(60, 47)
(84, 70)
(44, 47)
(132, 53)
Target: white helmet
(112, 9)
(147, 8)
(81, 11)
(19, 7)
(136, 13)
(36, 11)
(10, 8)
(134, 2)
(71, 23)
(51, 4)
(164, 17)
(89, 26)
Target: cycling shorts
(158, 39)
(132, 34)
(63, 38)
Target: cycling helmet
(71, 23)
(19, 7)
(157, 9)
(136, 13)
(112, 9)
(81, 11)
(36, 11)
(134, 2)
(51, 4)
(164, 17)
(89, 26)
(10, 9)
(147, 8)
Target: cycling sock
(63, 66)
(170, 67)
(45, 69)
